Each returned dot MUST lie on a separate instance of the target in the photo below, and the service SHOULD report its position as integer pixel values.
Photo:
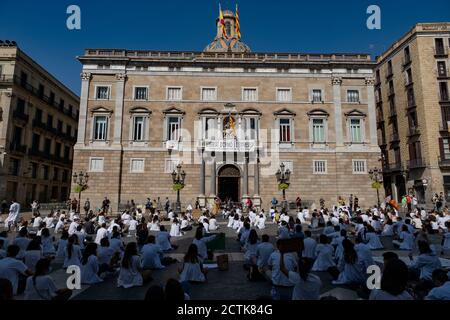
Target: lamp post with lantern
(283, 176)
(178, 178)
(81, 181)
(376, 175)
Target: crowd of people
(338, 242)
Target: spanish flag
(238, 24)
(222, 23)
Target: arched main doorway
(229, 178)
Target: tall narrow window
(285, 130)
(174, 93)
(317, 95)
(284, 95)
(100, 128)
(355, 131)
(443, 89)
(140, 93)
(209, 94)
(353, 96)
(439, 44)
(138, 128)
(250, 94)
(173, 128)
(210, 128)
(250, 128)
(102, 93)
(442, 69)
(318, 130)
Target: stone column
(85, 81)
(371, 111)
(213, 177)
(256, 196)
(118, 111)
(336, 82)
(245, 195)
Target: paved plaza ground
(220, 285)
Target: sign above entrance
(231, 145)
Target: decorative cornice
(86, 76)
(370, 81)
(121, 76)
(336, 81)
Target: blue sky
(324, 26)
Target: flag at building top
(222, 23)
(238, 24)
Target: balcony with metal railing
(39, 94)
(392, 167)
(444, 163)
(417, 163)
(6, 78)
(18, 148)
(413, 131)
(19, 114)
(394, 137)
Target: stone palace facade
(231, 117)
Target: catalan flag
(222, 23)
(238, 24)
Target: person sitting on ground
(72, 254)
(394, 281)
(33, 253)
(90, 267)
(41, 286)
(324, 254)
(151, 255)
(306, 285)
(250, 248)
(131, 272)
(263, 252)
(351, 266)
(441, 291)
(405, 240)
(309, 246)
(14, 270)
(163, 239)
(200, 241)
(174, 291)
(192, 269)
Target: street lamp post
(81, 180)
(283, 176)
(376, 176)
(178, 178)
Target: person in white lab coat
(406, 239)
(351, 267)
(441, 291)
(175, 229)
(14, 215)
(192, 269)
(163, 239)
(213, 225)
(48, 248)
(131, 272)
(372, 239)
(426, 262)
(102, 232)
(393, 284)
(151, 254)
(324, 253)
(261, 222)
(41, 286)
(309, 246)
(200, 241)
(90, 267)
(263, 252)
(306, 285)
(72, 254)
(33, 254)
